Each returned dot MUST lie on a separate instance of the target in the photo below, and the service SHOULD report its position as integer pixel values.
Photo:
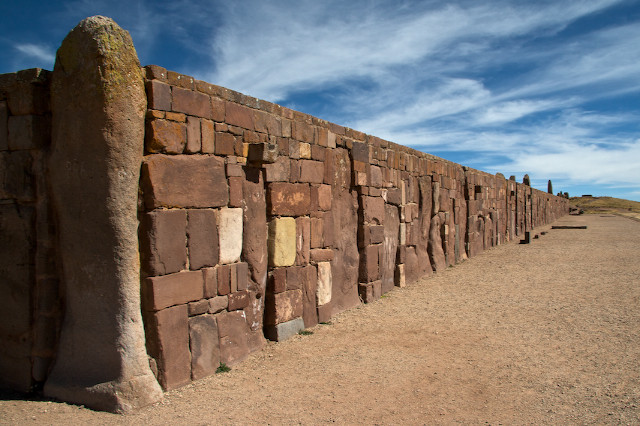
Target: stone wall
(29, 293)
(256, 221)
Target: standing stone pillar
(98, 106)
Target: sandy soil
(522, 334)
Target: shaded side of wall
(29, 286)
(258, 220)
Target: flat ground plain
(544, 333)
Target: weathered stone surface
(101, 360)
(282, 241)
(207, 136)
(421, 231)
(198, 307)
(174, 289)
(17, 243)
(303, 240)
(288, 199)
(436, 252)
(163, 248)
(389, 246)
(224, 143)
(311, 171)
(234, 333)
(230, 234)
(28, 132)
(321, 255)
(324, 283)
(373, 209)
(202, 238)
(165, 136)
(218, 304)
(321, 197)
(375, 177)
(277, 282)
(283, 307)
(158, 95)
(205, 346)
(317, 232)
(190, 102)
(184, 181)
(309, 291)
(224, 279)
(283, 331)
(369, 270)
(412, 271)
(279, 171)
(194, 136)
(400, 277)
(239, 115)
(238, 300)
(360, 152)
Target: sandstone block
(400, 277)
(277, 280)
(194, 136)
(360, 152)
(191, 103)
(28, 132)
(235, 191)
(238, 300)
(239, 115)
(184, 181)
(210, 277)
(218, 110)
(230, 234)
(281, 332)
(311, 171)
(163, 238)
(283, 307)
(304, 150)
(174, 289)
(168, 343)
(282, 241)
(317, 233)
(321, 255)
(373, 210)
(303, 240)
(254, 240)
(218, 304)
(369, 269)
(375, 177)
(165, 136)
(267, 123)
(202, 237)
(242, 273)
(288, 199)
(234, 333)
(309, 277)
(320, 197)
(16, 176)
(224, 279)
(198, 307)
(207, 136)
(302, 132)
(324, 283)
(205, 346)
(394, 196)
(278, 171)
(224, 143)
(158, 95)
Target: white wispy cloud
(39, 52)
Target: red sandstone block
(325, 312)
(207, 136)
(288, 199)
(239, 115)
(303, 240)
(234, 332)
(295, 277)
(278, 171)
(168, 343)
(210, 277)
(155, 72)
(267, 123)
(202, 235)
(360, 152)
(321, 255)
(198, 307)
(238, 300)
(294, 171)
(224, 280)
(373, 210)
(242, 272)
(233, 281)
(180, 80)
(375, 177)
(225, 144)
(283, 307)
(303, 132)
(158, 95)
(184, 181)
(369, 270)
(218, 110)
(311, 171)
(277, 281)
(162, 241)
(235, 191)
(194, 137)
(317, 233)
(174, 289)
(205, 346)
(318, 153)
(328, 229)
(191, 103)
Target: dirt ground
(543, 333)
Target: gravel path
(522, 334)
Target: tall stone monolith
(98, 106)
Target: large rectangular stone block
(230, 234)
(373, 209)
(311, 171)
(239, 115)
(174, 289)
(283, 307)
(369, 269)
(158, 95)
(191, 103)
(324, 283)
(288, 199)
(202, 237)
(205, 346)
(165, 136)
(234, 333)
(184, 181)
(303, 240)
(168, 343)
(283, 331)
(163, 242)
(309, 277)
(282, 241)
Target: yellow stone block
(282, 241)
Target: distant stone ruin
(154, 225)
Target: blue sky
(548, 88)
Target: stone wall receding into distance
(255, 221)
